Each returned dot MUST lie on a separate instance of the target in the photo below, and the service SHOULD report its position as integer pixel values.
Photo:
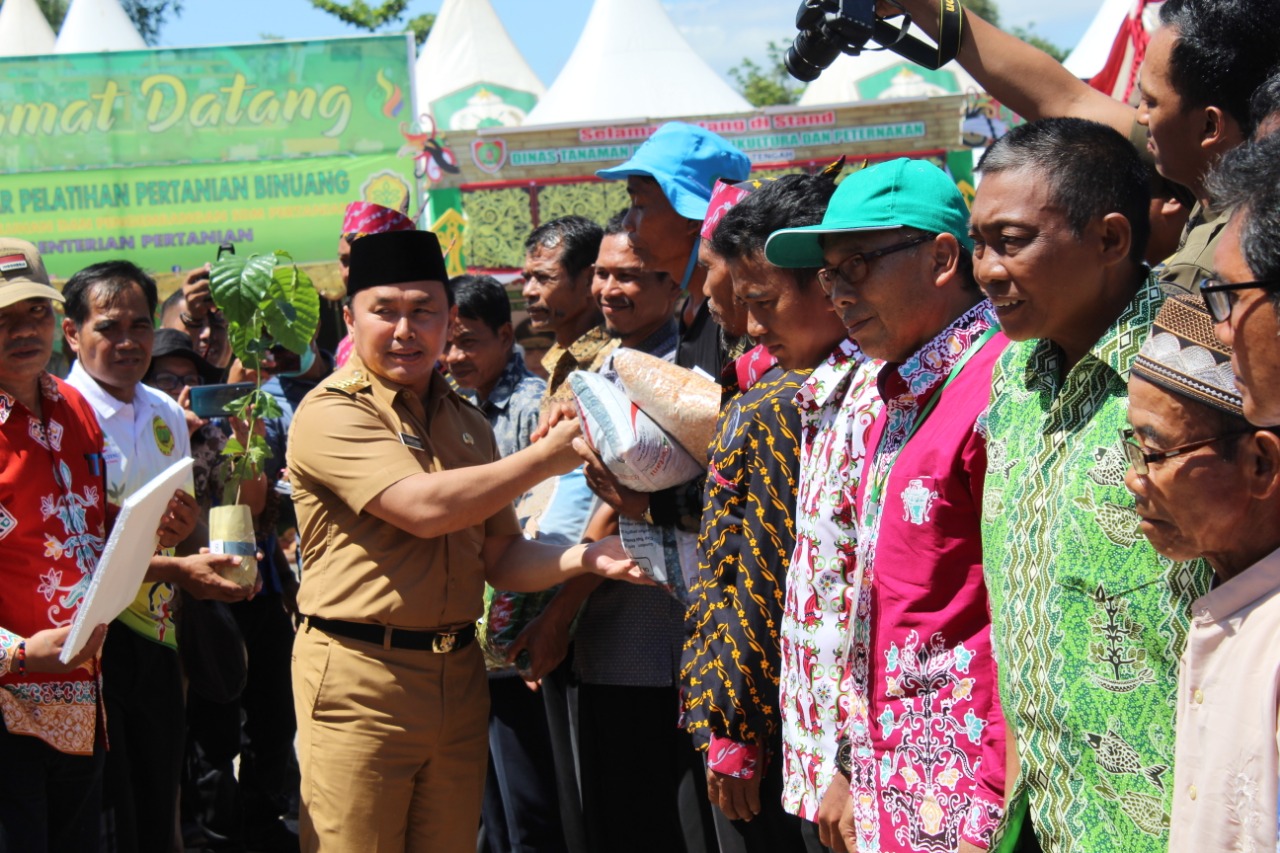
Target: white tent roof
(23, 29)
(632, 62)
(468, 45)
(1091, 53)
(92, 26)
(881, 75)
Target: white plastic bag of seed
(638, 452)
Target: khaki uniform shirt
(1193, 261)
(586, 353)
(1182, 271)
(352, 438)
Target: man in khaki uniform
(398, 540)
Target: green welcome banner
(177, 216)
(162, 155)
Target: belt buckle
(444, 643)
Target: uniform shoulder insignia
(349, 385)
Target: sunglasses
(853, 269)
(1220, 298)
(1141, 459)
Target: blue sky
(722, 31)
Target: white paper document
(126, 556)
(661, 552)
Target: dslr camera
(831, 27)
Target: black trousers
(809, 835)
(560, 700)
(52, 801)
(774, 830)
(521, 812)
(643, 786)
(142, 690)
(212, 795)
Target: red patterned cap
(363, 218)
(724, 195)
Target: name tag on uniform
(412, 441)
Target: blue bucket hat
(686, 161)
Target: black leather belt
(439, 642)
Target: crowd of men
(985, 554)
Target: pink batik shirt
(924, 717)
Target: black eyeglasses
(171, 382)
(1220, 298)
(1141, 459)
(853, 269)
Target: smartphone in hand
(210, 401)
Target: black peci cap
(396, 257)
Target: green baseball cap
(901, 193)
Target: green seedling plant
(267, 304)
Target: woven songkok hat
(1183, 356)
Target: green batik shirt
(1088, 622)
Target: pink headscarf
(363, 217)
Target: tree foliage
(55, 11)
(149, 16)
(770, 84)
(361, 15)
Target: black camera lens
(810, 54)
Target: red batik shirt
(53, 522)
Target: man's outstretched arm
(1024, 78)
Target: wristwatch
(844, 756)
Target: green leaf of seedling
(293, 310)
(247, 344)
(258, 448)
(258, 454)
(267, 407)
(233, 447)
(238, 285)
(242, 469)
(239, 407)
